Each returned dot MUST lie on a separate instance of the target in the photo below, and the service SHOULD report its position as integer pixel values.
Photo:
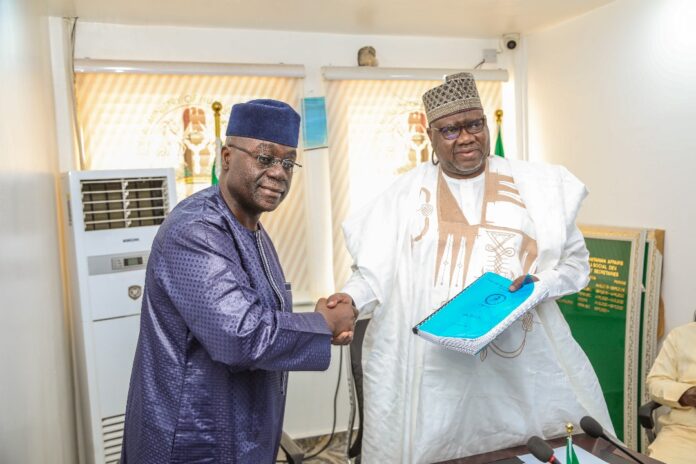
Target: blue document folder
(479, 313)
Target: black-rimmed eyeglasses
(452, 132)
(267, 161)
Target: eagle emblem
(134, 291)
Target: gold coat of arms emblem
(135, 291)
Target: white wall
(310, 397)
(612, 96)
(36, 419)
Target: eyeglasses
(471, 127)
(267, 161)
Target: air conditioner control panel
(108, 264)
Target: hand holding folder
(479, 313)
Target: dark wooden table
(599, 447)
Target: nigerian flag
(571, 457)
(217, 163)
(215, 172)
(499, 150)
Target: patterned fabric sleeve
(202, 274)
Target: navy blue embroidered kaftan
(217, 336)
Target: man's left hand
(688, 398)
(521, 280)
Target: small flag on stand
(571, 457)
(499, 150)
(217, 164)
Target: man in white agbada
(434, 231)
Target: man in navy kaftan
(217, 334)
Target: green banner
(597, 318)
(615, 319)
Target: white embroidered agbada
(413, 249)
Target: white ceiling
(450, 18)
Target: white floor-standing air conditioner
(111, 219)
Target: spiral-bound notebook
(479, 313)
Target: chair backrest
(356, 372)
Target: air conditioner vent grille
(112, 433)
(124, 202)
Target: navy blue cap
(265, 119)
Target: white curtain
(132, 121)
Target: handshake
(340, 315)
